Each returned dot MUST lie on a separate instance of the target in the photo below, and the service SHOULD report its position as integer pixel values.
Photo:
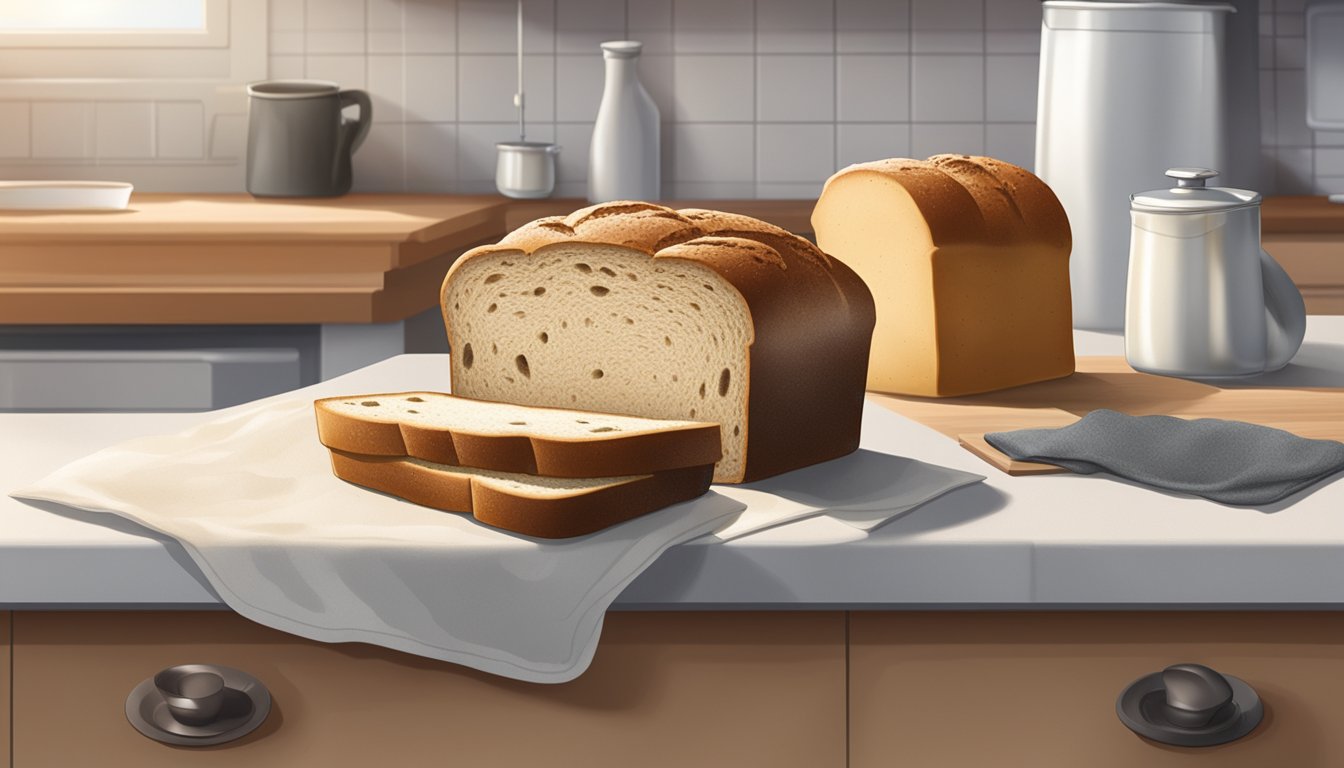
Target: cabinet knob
(198, 705)
(1190, 705)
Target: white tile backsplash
(433, 153)
(430, 88)
(384, 29)
(714, 152)
(14, 133)
(1014, 142)
(582, 25)
(1010, 88)
(491, 26)
(714, 88)
(947, 88)
(430, 25)
(713, 26)
(800, 152)
(486, 84)
(571, 165)
(872, 26)
(795, 26)
(380, 163)
(179, 130)
(781, 79)
(334, 27)
(124, 130)
(757, 97)
(928, 139)
(347, 70)
(578, 87)
(862, 142)
(62, 130)
(1013, 14)
(873, 88)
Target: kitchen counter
(1063, 541)
(368, 259)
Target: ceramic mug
(298, 142)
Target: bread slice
(968, 259)
(546, 507)
(446, 429)
(635, 308)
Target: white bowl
(64, 195)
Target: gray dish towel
(1230, 462)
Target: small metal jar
(1203, 299)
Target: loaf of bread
(968, 260)
(638, 309)
(550, 508)
(445, 429)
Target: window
(133, 39)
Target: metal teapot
(1204, 300)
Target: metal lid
(1191, 196)
(528, 146)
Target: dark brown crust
(601, 455)
(560, 518)
(812, 317)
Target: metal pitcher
(1204, 300)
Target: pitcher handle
(361, 127)
(1285, 313)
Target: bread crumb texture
(634, 308)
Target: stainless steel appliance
(1127, 90)
(1204, 299)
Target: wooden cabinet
(1039, 689)
(4, 689)
(665, 689)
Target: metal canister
(1203, 299)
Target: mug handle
(365, 121)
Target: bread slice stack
(543, 472)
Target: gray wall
(759, 97)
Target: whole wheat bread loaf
(546, 507)
(634, 308)
(446, 429)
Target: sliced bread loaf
(639, 309)
(550, 508)
(447, 429)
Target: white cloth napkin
(252, 499)
(865, 489)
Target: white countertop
(1047, 541)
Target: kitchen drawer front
(4, 689)
(143, 380)
(665, 689)
(1039, 689)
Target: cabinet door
(4, 689)
(1039, 689)
(665, 689)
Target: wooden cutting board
(1109, 382)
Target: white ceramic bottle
(623, 163)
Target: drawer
(143, 380)
(665, 689)
(4, 689)
(1039, 689)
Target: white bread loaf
(634, 308)
(968, 261)
(446, 429)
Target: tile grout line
(835, 108)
